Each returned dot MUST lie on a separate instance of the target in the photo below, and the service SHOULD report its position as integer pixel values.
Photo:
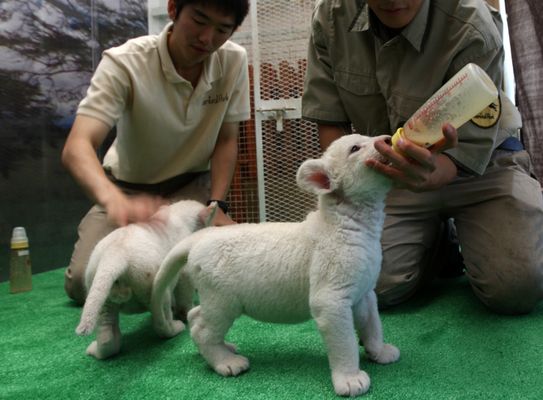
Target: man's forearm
(79, 158)
(223, 165)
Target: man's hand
(417, 168)
(123, 210)
(79, 157)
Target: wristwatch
(223, 205)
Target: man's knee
(392, 290)
(93, 227)
(509, 305)
(510, 297)
(74, 285)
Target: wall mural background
(48, 52)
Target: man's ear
(171, 9)
(313, 177)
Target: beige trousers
(499, 222)
(95, 225)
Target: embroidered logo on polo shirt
(489, 116)
(218, 98)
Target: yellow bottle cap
(396, 138)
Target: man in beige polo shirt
(176, 99)
(371, 65)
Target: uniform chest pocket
(363, 102)
(357, 83)
(402, 107)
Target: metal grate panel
(280, 32)
(243, 196)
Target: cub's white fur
(122, 267)
(325, 267)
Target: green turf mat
(452, 348)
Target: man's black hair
(238, 8)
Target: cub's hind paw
(84, 329)
(193, 314)
(173, 328)
(388, 354)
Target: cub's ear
(313, 177)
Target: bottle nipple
(18, 238)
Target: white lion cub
(121, 269)
(325, 267)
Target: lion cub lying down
(325, 267)
(122, 267)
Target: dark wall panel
(48, 51)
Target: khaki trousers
(499, 222)
(95, 226)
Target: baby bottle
(20, 273)
(464, 96)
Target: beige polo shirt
(359, 74)
(164, 127)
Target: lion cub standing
(325, 267)
(121, 269)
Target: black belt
(163, 188)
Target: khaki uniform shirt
(165, 127)
(356, 74)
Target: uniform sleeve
(108, 92)
(476, 143)
(320, 100)
(239, 108)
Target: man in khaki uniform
(177, 99)
(371, 65)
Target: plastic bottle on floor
(20, 271)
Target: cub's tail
(165, 279)
(108, 270)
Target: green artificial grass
(452, 348)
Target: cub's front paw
(104, 351)
(232, 365)
(351, 385)
(388, 354)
